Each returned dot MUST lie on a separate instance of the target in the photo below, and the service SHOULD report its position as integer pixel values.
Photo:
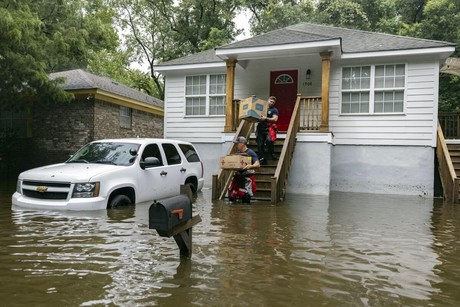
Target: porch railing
(279, 179)
(310, 113)
(450, 124)
(449, 179)
(305, 116)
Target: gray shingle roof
(78, 79)
(208, 56)
(353, 41)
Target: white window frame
(373, 90)
(126, 115)
(207, 96)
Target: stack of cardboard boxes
(251, 109)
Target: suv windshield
(106, 153)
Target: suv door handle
(163, 173)
(183, 170)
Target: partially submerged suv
(113, 172)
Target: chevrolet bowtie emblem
(42, 189)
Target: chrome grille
(46, 189)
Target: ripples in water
(342, 250)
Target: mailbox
(164, 216)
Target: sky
(241, 20)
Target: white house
(378, 104)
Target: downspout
(229, 92)
(326, 68)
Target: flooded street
(343, 250)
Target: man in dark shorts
(263, 139)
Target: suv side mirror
(149, 162)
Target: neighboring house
(102, 108)
(378, 104)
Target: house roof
(305, 35)
(79, 79)
(353, 41)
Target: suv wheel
(118, 201)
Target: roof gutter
(246, 53)
(166, 68)
(443, 52)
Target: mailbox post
(172, 217)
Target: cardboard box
(252, 108)
(234, 162)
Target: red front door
(283, 85)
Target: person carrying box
(262, 132)
(243, 183)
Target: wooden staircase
(448, 156)
(271, 179)
(454, 153)
(265, 173)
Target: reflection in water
(342, 250)
(381, 246)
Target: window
(152, 150)
(373, 89)
(205, 95)
(189, 152)
(171, 153)
(125, 117)
(284, 79)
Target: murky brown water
(342, 250)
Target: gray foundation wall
(321, 167)
(407, 170)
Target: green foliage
(429, 19)
(43, 36)
(449, 93)
(273, 14)
(116, 66)
(343, 13)
(159, 31)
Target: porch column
(229, 91)
(326, 67)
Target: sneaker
(263, 161)
(274, 157)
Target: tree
(42, 36)
(159, 31)
(342, 13)
(276, 14)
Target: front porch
(310, 114)
(314, 110)
(312, 159)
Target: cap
(240, 139)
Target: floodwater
(343, 250)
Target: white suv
(110, 173)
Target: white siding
(252, 78)
(414, 127)
(196, 129)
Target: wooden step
(265, 173)
(453, 146)
(263, 184)
(263, 193)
